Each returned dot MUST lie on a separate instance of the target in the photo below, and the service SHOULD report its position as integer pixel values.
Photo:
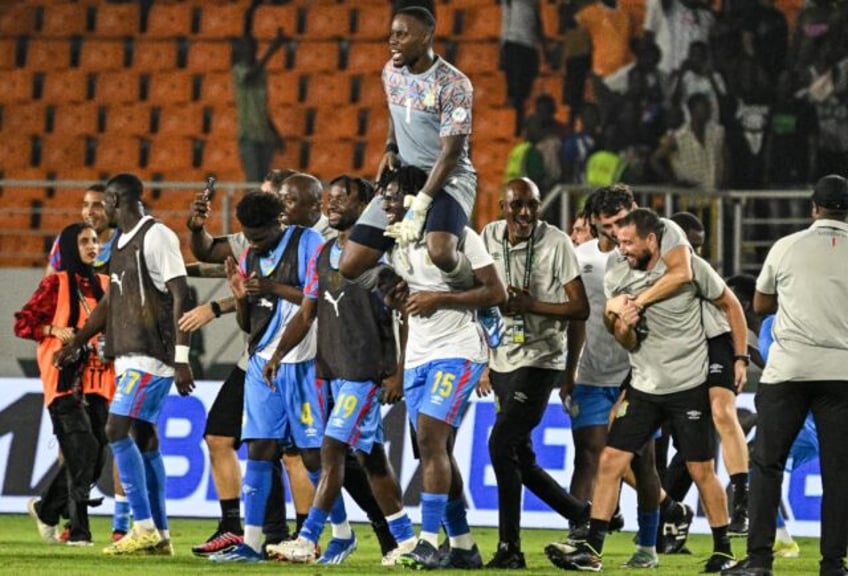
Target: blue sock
(338, 514)
(432, 510)
(133, 477)
(314, 524)
(456, 520)
(649, 522)
(154, 468)
(121, 516)
(401, 528)
(781, 523)
(255, 488)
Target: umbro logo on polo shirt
(716, 368)
(693, 414)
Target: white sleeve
(653, 15)
(162, 255)
(767, 280)
(568, 267)
(475, 250)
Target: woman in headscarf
(77, 396)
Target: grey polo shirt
(673, 357)
(808, 271)
(554, 265)
(715, 321)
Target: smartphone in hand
(209, 192)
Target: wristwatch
(746, 358)
(216, 308)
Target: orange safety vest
(97, 377)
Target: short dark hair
(364, 188)
(744, 286)
(98, 187)
(277, 176)
(687, 221)
(646, 221)
(410, 179)
(126, 186)
(258, 209)
(611, 199)
(420, 13)
(697, 98)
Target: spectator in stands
(76, 396)
(789, 139)
(698, 76)
(257, 135)
(94, 214)
(748, 124)
(550, 132)
(577, 58)
(694, 155)
(577, 147)
(522, 36)
(765, 35)
(525, 160)
(611, 31)
(674, 25)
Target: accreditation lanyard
(518, 332)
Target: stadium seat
(312, 57)
(217, 88)
(180, 120)
(291, 120)
(17, 86)
(367, 90)
(222, 21)
(169, 20)
(208, 56)
(223, 122)
(267, 19)
(489, 89)
(478, 57)
(171, 153)
(117, 87)
(64, 20)
(446, 21)
(285, 89)
(167, 88)
(16, 150)
(65, 86)
(154, 55)
(118, 153)
(19, 18)
(550, 18)
(321, 90)
(132, 119)
(325, 22)
(104, 55)
(367, 57)
(329, 158)
(480, 23)
(492, 123)
(342, 123)
(59, 150)
(76, 119)
(372, 21)
(376, 124)
(44, 55)
(8, 53)
(117, 20)
(221, 155)
(25, 119)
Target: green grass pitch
(22, 553)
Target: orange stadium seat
(45, 55)
(480, 23)
(59, 150)
(132, 119)
(290, 120)
(75, 119)
(446, 25)
(16, 196)
(376, 124)
(280, 61)
(117, 20)
(103, 55)
(208, 56)
(322, 90)
(479, 57)
(118, 153)
(117, 87)
(550, 19)
(63, 20)
(18, 18)
(24, 119)
(16, 151)
(367, 90)
(372, 21)
(223, 122)
(284, 89)
(317, 56)
(217, 88)
(17, 86)
(267, 19)
(336, 122)
(169, 20)
(8, 53)
(154, 55)
(222, 21)
(221, 156)
(372, 154)
(492, 123)
(171, 87)
(328, 158)
(181, 120)
(333, 21)
(171, 153)
(61, 86)
(489, 89)
(367, 57)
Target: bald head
(301, 195)
(521, 207)
(523, 186)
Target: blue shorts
(355, 419)
(295, 410)
(592, 404)
(140, 395)
(806, 445)
(440, 389)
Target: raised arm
(678, 273)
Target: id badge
(518, 329)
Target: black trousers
(781, 410)
(522, 396)
(80, 428)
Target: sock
(432, 511)
(400, 526)
(133, 478)
(231, 516)
(300, 519)
(256, 486)
(338, 514)
(121, 515)
(154, 468)
(649, 523)
(341, 530)
(456, 525)
(314, 525)
(721, 541)
(740, 488)
(783, 535)
(598, 530)
(462, 276)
